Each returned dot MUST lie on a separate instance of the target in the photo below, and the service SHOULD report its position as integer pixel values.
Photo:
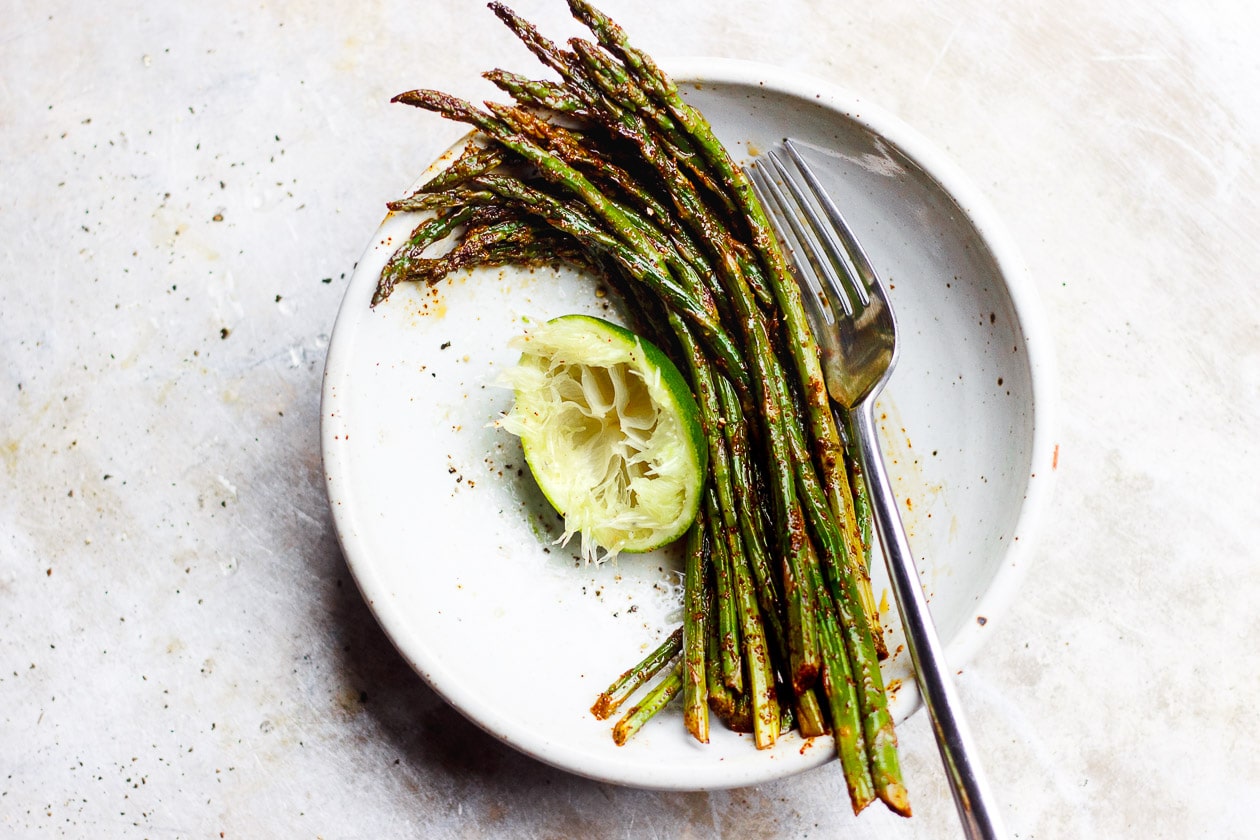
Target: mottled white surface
(183, 194)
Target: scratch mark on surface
(1124, 57)
(1203, 160)
(940, 55)
(306, 517)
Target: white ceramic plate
(451, 543)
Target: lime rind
(611, 433)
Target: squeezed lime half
(611, 433)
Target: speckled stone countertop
(186, 189)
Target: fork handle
(953, 737)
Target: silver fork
(853, 322)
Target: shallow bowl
(453, 547)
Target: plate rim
(993, 603)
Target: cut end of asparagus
(897, 798)
(603, 708)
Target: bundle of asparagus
(611, 170)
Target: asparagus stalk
(732, 666)
(420, 202)
(843, 699)
(475, 159)
(756, 654)
(695, 635)
(861, 494)
(837, 579)
(645, 709)
(538, 93)
(857, 548)
(422, 237)
(721, 699)
(488, 247)
(625, 685)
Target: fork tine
(835, 262)
(858, 346)
(771, 195)
(856, 258)
(803, 234)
